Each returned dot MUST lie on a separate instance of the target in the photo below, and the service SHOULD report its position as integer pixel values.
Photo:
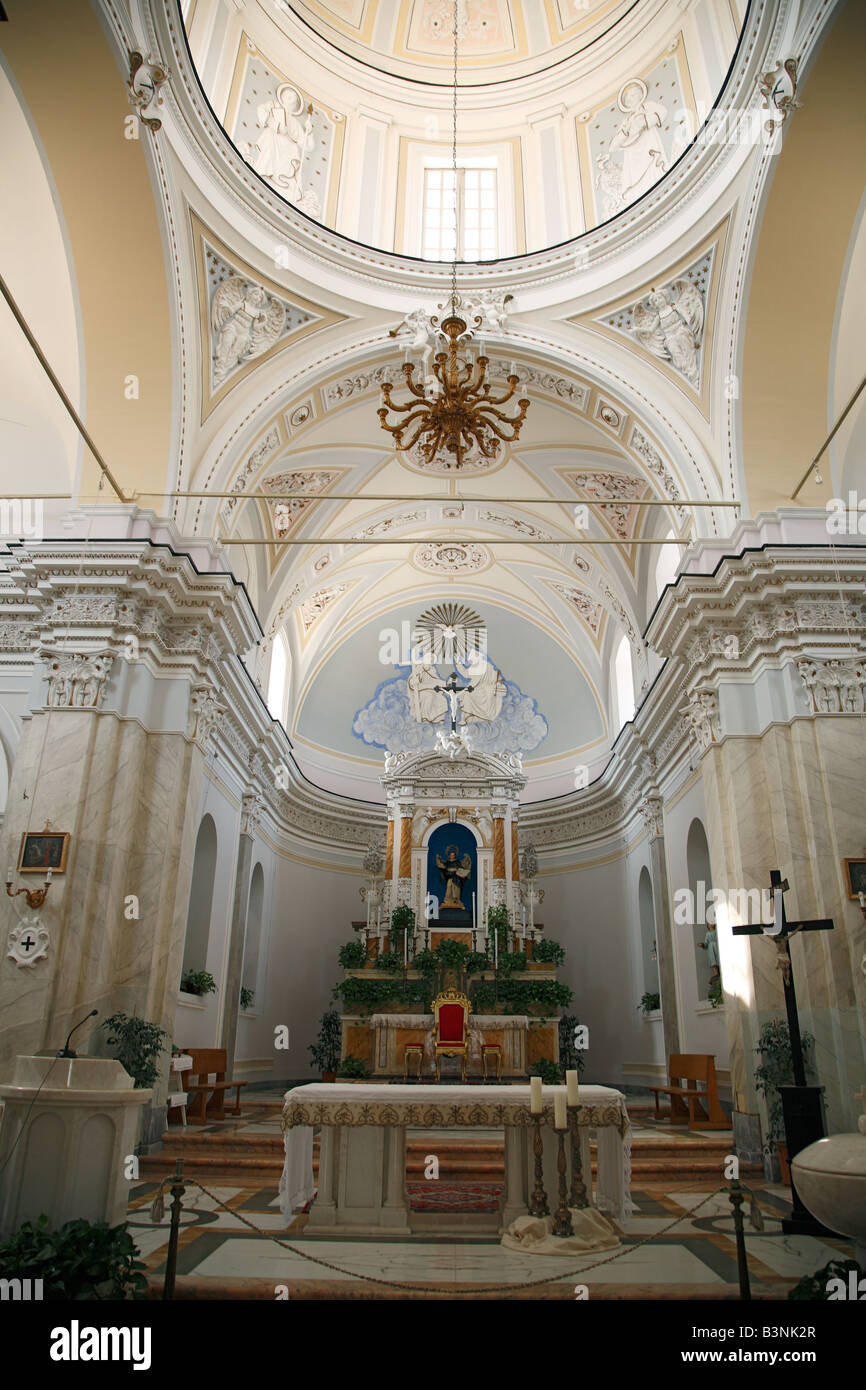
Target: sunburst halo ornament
(451, 632)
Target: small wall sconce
(35, 896)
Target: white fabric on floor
(533, 1235)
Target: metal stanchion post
(177, 1192)
(736, 1195)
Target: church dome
(569, 111)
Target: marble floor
(219, 1256)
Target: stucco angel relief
(669, 323)
(245, 322)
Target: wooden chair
(689, 1105)
(491, 1052)
(207, 1062)
(415, 1053)
(451, 1011)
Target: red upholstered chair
(451, 1011)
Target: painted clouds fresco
(386, 722)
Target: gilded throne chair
(451, 1011)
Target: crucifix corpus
(452, 690)
(802, 1105)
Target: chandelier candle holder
(35, 896)
(562, 1221)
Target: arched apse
(200, 898)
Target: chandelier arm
(487, 399)
(489, 414)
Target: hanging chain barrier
(735, 1192)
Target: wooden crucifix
(802, 1105)
(452, 690)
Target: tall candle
(559, 1116)
(571, 1088)
(474, 918)
(862, 897)
(406, 947)
(536, 1104)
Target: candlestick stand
(538, 1206)
(578, 1197)
(562, 1221)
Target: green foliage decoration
(353, 955)
(353, 1068)
(138, 1045)
(548, 1071)
(777, 1069)
(548, 952)
(327, 1047)
(198, 982)
(82, 1260)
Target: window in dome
(462, 223)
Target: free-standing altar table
(362, 1158)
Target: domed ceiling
(569, 110)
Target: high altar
(451, 854)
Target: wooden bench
(689, 1105)
(207, 1062)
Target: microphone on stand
(66, 1050)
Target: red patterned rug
(454, 1196)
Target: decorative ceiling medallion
(452, 557)
(245, 317)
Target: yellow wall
(804, 238)
(60, 58)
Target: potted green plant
(328, 1046)
(198, 982)
(547, 953)
(248, 997)
(81, 1260)
(550, 1073)
(353, 1069)
(353, 955)
(138, 1045)
(571, 1057)
(776, 1068)
(650, 1003)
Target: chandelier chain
(454, 162)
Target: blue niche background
(439, 842)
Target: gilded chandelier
(463, 415)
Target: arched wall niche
(198, 920)
(646, 914)
(700, 885)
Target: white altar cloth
(349, 1105)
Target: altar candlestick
(572, 1088)
(559, 1119)
(536, 1103)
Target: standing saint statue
(284, 142)
(453, 873)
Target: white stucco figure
(484, 700)
(668, 322)
(428, 705)
(245, 322)
(639, 143)
(284, 142)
